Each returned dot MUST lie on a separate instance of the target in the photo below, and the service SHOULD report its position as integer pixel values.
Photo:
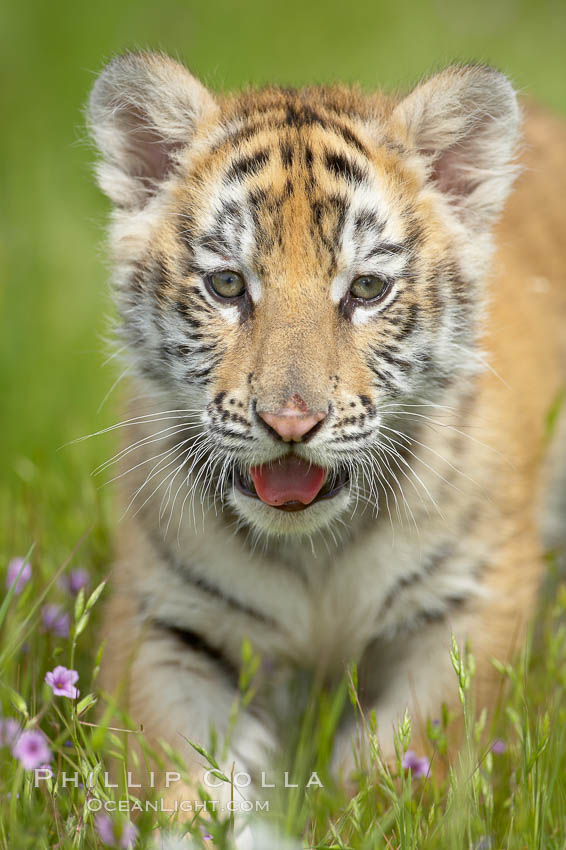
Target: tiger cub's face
(296, 266)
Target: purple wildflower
(14, 567)
(76, 580)
(9, 731)
(129, 835)
(63, 682)
(105, 829)
(103, 825)
(206, 834)
(55, 620)
(32, 749)
(418, 765)
(498, 746)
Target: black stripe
(160, 279)
(410, 322)
(451, 603)
(184, 310)
(431, 564)
(200, 304)
(333, 207)
(403, 365)
(246, 165)
(367, 403)
(350, 137)
(385, 381)
(215, 242)
(305, 116)
(385, 248)
(200, 374)
(199, 350)
(369, 220)
(231, 210)
(229, 432)
(349, 438)
(184, 571)
(287, 155)
(255, 199)
(342, 167)
(198, 644)
(308, 158)
(297, 117)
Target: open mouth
(290, 483)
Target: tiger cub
(341, 368)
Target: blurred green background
(53, 292)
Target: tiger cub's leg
(414, 670)
(181, 693)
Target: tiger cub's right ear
(144, 109)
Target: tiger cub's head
(298, 265)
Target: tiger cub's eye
(368, 287)
(227, 284)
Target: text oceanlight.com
(95, 804)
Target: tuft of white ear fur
(464, 122)
(144, 108)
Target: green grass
(53, 306)
(480, 799)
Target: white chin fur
(271, 521)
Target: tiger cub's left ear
(144, 108)
(465, 122)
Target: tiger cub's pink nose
(294, 421)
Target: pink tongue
(288, 480)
